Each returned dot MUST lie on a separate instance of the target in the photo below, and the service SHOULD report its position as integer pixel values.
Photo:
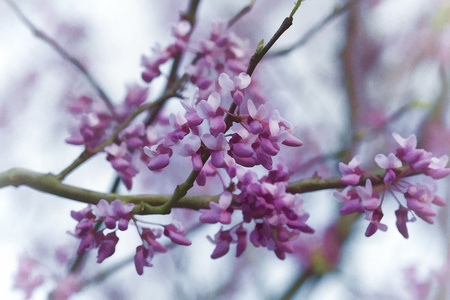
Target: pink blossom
(106, 245)
(352, 172)
(375, 217)
(176, 235)
(222, 240)
(436, 168)
(27, 279)
(402, 218)
(218, 212)
(368, 196)
(114, 212)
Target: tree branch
(49, 183)
(144, 204)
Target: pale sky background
(117, 34)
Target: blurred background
(375, 67)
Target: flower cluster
(160, 56)
(92, 120)
(116, 215)
(37, 272)
(407, 161)
(276, 216)
(254, 140)
(221, 52)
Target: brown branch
(240, 14)
(256, 58)
(61, 51)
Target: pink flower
(368, 196)
(436, 168)
(352, 172)
(419, 199)
(222, 240)
(26, 278)
(351, 200)
(142, 259)
(402, 218)
(218, 212)
(114, 212)
(107, 245)
(235, 85)
(375, 217)
(176, 235)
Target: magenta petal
(218, 159)
(243, 150)
(140, 259)
(197, 162)
(221, 249)
(176, 235)
(159, 162)
(238, 97)
(217, 125)
(402, 218)
(351, 207)
(203, 83)
(292, 141)
(241, 241)
(439, 201)
(269, 148)
(371, 229)
(107, 246)
(351, 179)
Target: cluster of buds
(117, 216)
(276, 216)
(405, 162)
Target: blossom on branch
(418, 197)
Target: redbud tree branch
(64, 53)
(144, 204)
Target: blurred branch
(240, 14)
(61, 51)
(315, 29)
(308, 274)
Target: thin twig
(256, 58)
(61, 51)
